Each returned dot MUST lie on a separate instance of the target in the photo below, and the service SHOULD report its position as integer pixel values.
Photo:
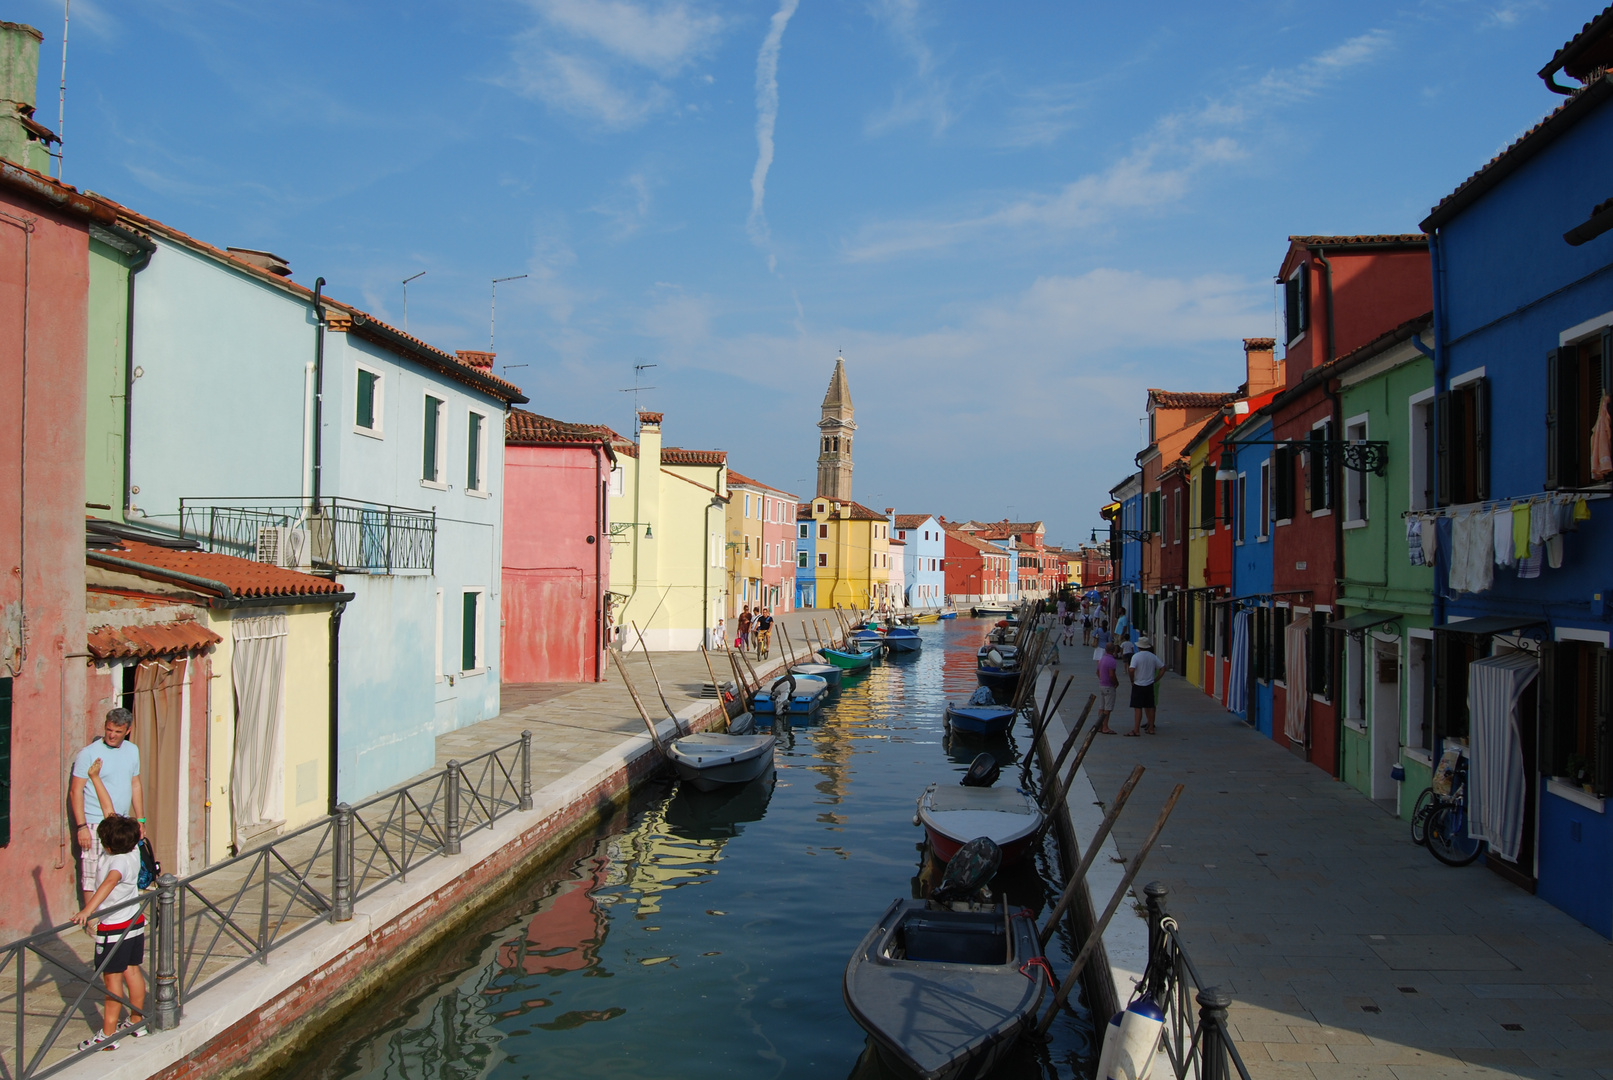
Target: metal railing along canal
(1195, 1038)
(209, 925)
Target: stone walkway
(1350, 953)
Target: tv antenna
(406, 281)
(638, 371)
(492, 306)
(61, 101)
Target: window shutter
(428, 458)
(1442, 688)
(1291, 307)
(365, 416)
(1603, 734)
(1481, 438)
(1154, 499)
(1320, 647)
(467, 634)
(1207, 497)
(1546, 711)
(1554, 381)
(1442, 447)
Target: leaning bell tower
(834, 437)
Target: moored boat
(903, 639)
(981, 611)
(827, 672)
(985, 720)
(848, 661)
(805, 694)
(997, 666)
(710, 760)
(952, 815)
(928, 617)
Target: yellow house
(853, 554)
(668, 566)
(744, 543)
(1201, 525)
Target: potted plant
(1578, 768)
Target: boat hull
(954, 815)
(847, 661)
(979, 719)
(827, 672)
(904, 641)
(998, 678)
(711, 761)
(948, 615)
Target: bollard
(526, 768)
(1159, 962)
(1213, 1005)
(165, 1017)
(341, 853)
(451, 810)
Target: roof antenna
(61, 100)
(406, 298)
(492, 306)
(638, 369)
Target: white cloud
(1042, 117)
(628, 207)
(766, 118)
(606, 60)
(1157, 171)
(923, 99)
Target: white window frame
(480, 490)
(1266, 507)
(1356, 490)
(480, 629)
(747, 504)
(377, 402)
(1326, 511)
(1419, 407)
(441, 451)
(618, 481)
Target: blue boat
(980, 719)
(806, 695)
(863, 639)
(903, 639)
(997, 666)
(827, 672)
(949, 614)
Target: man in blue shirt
(120, 774)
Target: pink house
(556, 549)
(762, 531)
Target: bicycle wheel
(1419, 816)
(1447, 836)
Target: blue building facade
(806, 559)
(1253, 528)
(1523, 272)
(923, 569)
(1125, 514)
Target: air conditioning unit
(283, 546)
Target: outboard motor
(983, 772)
(995, 658)
(782, 690)
(971, 868)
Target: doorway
(1385, 728)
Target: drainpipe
(135, 267)
(334, 708)
(1332, 390)
(600, 533)
(319, 383)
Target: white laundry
(1501, 520)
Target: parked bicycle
(1439, 821)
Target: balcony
(333, 535)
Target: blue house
(1258, 619)
(806, 559)
(268, 421)
(1523, 360)
(1125, 516)
(926, 556)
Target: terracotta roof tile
(244, 578)
(164, 639)
(677, 455)
(970, 541)
(741, 480)
(1190, 399)
(912, 521)
(1579, 55)
(856, 511)
(521, 426)
(1365, 240)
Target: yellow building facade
(853, 555)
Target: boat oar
(721, 704)
(655, 736)
(677, 728)
(1094, 845)
(1135, 865)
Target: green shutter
(467, 633)
(473, 455)
(428, 458)
(5, 762)
(364, 415)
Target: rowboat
(827, 672)
(903, 639)
(927, 617)
(805, 694)
(997, 666)
(945, 994)
(981, 611)
(947, 615)
(848, 661)
(952, 815)
(980, 719)
(710, 760)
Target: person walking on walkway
(120, 774)
(743, 640)
(1144, 671)
(1108, 686)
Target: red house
(1340, 293)
(976, 571)
(556, 549)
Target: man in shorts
(762, 632)
(1108, 685)
(120, 775)
(1144, 671)
(120, 933)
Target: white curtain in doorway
(257, 774)
(1238, 676)
(1296, 678)
(1495, 781)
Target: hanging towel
(1414, 541)
(1554, 552)
(1297, 697)
(1543, 518)
(1529, 565)
(1501, 522)
(1495, 770)
(1472, 552)
(1602, 444)
(1520, 530)
(1431, 538)
(1582, 510)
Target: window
(367, 410)
(823, 558)
(431, 443)
(1265, 499)
(1575, 377)
(1242, 512)
(1154, 499)
(1576, 712)
(618, 481)
(470, 632)
(800, 558)
(822, 509)
(475, 454)
(1176, 516)
(1282, 482)
(747, 547)
(1207, 497)
(1296, 303)
(1323, 655)
(1422, 450)
(823, 531)
(1278, 643)
(1319, 477)
(1355, 480)
(747, 505)
(1462, 425)
(802, 531)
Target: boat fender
(1137, 1041)
(1111, 1044)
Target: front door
(1385, 729)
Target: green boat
(848, 661)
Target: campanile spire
(834, 437)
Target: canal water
(705, 934)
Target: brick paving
(1350, 953)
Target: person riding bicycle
(762, 630)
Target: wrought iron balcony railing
(342, 535)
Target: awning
(1363, 621)
(1490, 624)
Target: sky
(1011, 219)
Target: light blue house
(806, 559)
(925, 565)
(265, 421)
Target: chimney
(23, 140)
(263, 260)
(1260, 359)
(482, 361)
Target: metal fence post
(166, 1015)
(451, 810)
(1213, 1005)
(526, 770)
(341, 889)
(1154, 894)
